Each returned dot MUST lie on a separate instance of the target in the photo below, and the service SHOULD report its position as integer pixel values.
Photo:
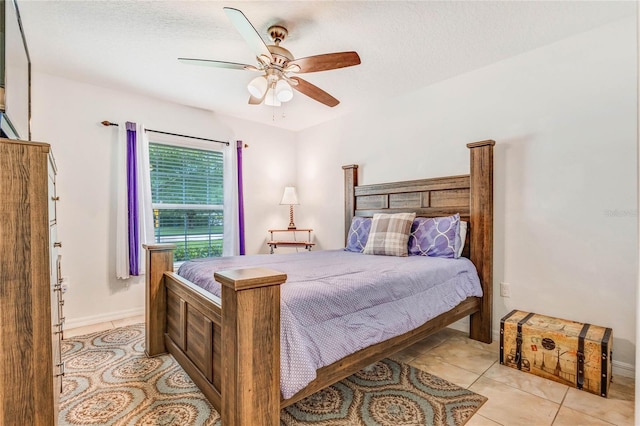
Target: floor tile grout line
(560, 406)
(522, 390)
(488, 368)
(474, 382)
(467, 370)
(583, 412)
(488, 418)
(530, 393)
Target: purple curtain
(240, 200)
(132, 199)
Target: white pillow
(463, 236)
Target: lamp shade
(257, 87)
(284, 93)
(290, 196)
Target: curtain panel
(134, 221)
(241, 247)
(231, 245)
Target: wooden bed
(230, 347)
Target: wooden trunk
(568, 352)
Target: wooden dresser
(30, 286)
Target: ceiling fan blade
(314, 92)
(247, 31)
(328, 61)
(255, 101)
(217, 64)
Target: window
(187, 196)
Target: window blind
(188, 197)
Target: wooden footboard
(230, 347)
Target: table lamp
(291, 198)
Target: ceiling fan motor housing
(280, 55)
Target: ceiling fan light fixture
(275, 63)
(271, 99)
(257, 87)
(284, 93)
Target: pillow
(460, 239)
(434, 237)
(389, 234)
(358, 234)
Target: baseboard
(97, 319)
(463, 325)
(622, 369)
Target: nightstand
(274, 243)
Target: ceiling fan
(278, 65)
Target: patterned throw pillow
(435, 236)
(358, 234)
(389, 234)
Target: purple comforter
(335, 303)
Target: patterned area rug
(110, 381)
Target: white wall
(269, 166)
(564, 121)
(563, 117)
(67, 114)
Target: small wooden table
(273, 244)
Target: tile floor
(515, 398)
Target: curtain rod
(108, 123)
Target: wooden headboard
(470, 195)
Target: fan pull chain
(273, 113)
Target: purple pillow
(358, 234)
(434, 236)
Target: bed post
(481, 234)
(159, 259)
(250, 346)
(350, 182)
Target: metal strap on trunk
(580, 356)
(604, 368)
(506, 317)
(519, 340)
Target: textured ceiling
(133, 45)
